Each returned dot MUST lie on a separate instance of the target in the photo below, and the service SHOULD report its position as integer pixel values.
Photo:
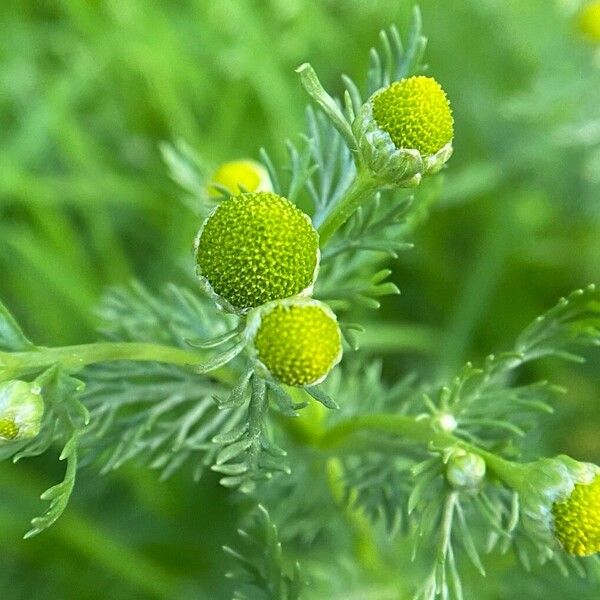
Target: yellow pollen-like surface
(577, 520)
(298, 344)
(256, 248)
(415, 112)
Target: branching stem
(417, 430)
(361, 191)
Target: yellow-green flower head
(465, 470)
(560, 500)
(296, 341)
(405, 130)
(239, 176)
(416, 113)
(588, 21)
(577, 519)
(21, 411)
(255, 248)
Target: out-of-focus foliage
(88, 90)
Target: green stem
(75, 358)
(361, 191)
(417, 430)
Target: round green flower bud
(577, 519)
(465, 471)
(405, 131)
(296, 341)
(21, 411)
(255, 248)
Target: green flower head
(296, 341)
(416, 114)
(405, 130)
(255, 248)
(21, 411)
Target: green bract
(256, 248)
(21, 410)
(296, 341)
(404, 131)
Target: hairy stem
(361, 191)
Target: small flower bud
(445, 422)
(296, 341)
(405, 131)
(465, 470)
(255, 248)
(21, 410)
(588, 22)
(238, 176)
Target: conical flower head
(255, 248)
(296, 341)
(405, 131)
(21, 411)
(577, 519)
(416, 114)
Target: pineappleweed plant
(229, 375)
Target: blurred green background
(88, 90)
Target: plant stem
(418, 430)
(362, 190)
(75, 358)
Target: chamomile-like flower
(296, 341)
(405, 131)
(577, 519)
(561, 504)
(255, 248)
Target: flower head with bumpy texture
(238, 176)
(405, 130)
(255, 248)
(21, 411)
(297, 341)
(416, 114)
(577, 519)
